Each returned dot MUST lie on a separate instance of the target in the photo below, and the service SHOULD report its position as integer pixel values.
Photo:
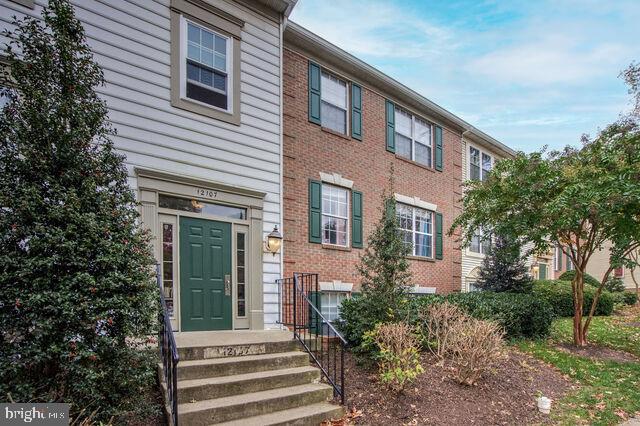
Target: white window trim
(481, 151)
(183, 66)
(618, 276)
(413, 141)
(557, 258)
(347, 101)
(414, 232)
(322, 213)
(323, 306)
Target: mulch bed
(506, 396)
(598, 353)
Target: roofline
(300, 37)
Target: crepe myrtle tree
(76, 279)
(576, 199)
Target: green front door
(542, 274)
(205, 264)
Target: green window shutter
(438, 137)
(542, 271)
(356, 219)
(315, 323)
(314, 93)
(356, 111)
(315, 208)
(391, 126)
(439, 236)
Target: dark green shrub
(559, 295)
(588, 279)
(520, 314)
(504, 268)
(629, 298)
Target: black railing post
(314, 324)
(168, 353)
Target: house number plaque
(201, 192)
(235, 350)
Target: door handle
(227, 285)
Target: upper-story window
(413, 138)
(480, 243)
(480, 164)
(557, 257)
(416, 226)
(335, 215)
(207, 62)
(334, 103)
(618, 272)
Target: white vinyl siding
(130, 40)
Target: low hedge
(624, 298)
(521, 314)
(559, 295)
(588, 279)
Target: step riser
(211, 352)
(241, 367)
(219, 390)
(256, 408)
(312, 420)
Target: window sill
(333, 132)
(335, 247)
(208, 111)
(415, 163)
(474, 254)
(422, 259)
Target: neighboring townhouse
(193, 90)
(561, 262)
(599, 264)
(345, 124)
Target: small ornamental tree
(575, 199)
(504, 269)
(383, 266)
(76, 280)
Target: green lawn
(608, 390)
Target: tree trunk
(579, 333)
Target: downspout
(283, 23)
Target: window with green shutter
(439, 240)
(356, 111)
(439, 149)
(314, 92)
(315, 211)
(391, 120)
(356, 219)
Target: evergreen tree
(383, 266)
(76, 281)
(504, 269)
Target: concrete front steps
(249, 378)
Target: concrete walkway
(634, 421)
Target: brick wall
(309, 150)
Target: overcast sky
(529, 73)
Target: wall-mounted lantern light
(274, 241)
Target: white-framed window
(330, 302)
(416, 226)
(479, 244)
(168, 265)
(472, 287)
(206, 58)
(335, 215)
(557, 258)
(569, 263)
(480, 164)
(413, 138)
(333, 103)
(4, 100)
(618, 272)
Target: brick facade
(309, 150)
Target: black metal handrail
(320, 339)
(168, 353)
